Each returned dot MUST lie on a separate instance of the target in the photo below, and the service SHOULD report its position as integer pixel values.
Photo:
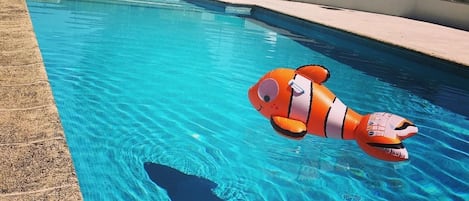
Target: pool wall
(35, 162)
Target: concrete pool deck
(35, 162)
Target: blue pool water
(166, 82)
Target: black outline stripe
(391, 146)
(291, 99)
(310, 101)
(327, 116)
(343, 123)
(327, 70)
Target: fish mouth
(397, 150)
(391, 146)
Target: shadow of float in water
(181, 186)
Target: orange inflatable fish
(297, 103)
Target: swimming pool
(166, 82)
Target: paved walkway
(35, 162)
(430, 39)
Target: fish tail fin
(381, 134)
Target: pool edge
(35, 161)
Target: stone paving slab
(39, 123)
(25, 96)
(36, 166)
(20, 57)
(16, 39)
(35, 162)
(25, 74)
(53, 194)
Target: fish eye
(268, 90)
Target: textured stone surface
(26, 74)
(24, 56)
(63, 193)
(35, 166)
(36, 124)
(35, 163)
(16, 39)
(25, 96)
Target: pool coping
(437, 41)
(35, 162)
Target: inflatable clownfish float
(297, 103)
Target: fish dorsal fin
(317, 73)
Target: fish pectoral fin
(288, 127)
(316, 73)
